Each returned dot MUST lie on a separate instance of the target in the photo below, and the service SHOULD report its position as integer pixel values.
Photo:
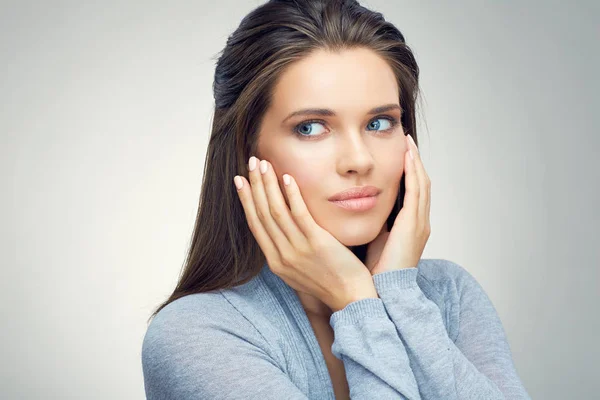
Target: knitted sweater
(433, 333)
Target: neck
(314, 307)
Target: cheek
(309, 182)
(392, 171)
(307, 178)
(392, 165)
(396, 170)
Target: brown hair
(223, 252)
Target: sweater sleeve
(478, 366)
(210, 351)
(375, 360)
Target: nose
(354, 155)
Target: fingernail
(286, 179)
(252, 163)
(238, 182)
(413, 141)
(410, 153)
(263, 167)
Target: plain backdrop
(105, 115)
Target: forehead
(353, 80)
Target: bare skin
(357, 141)
(343, 151)
(346, 154)
(335, 366)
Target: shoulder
(194, 324)
(200, 344)
(190, 312)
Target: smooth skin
(404, 245)
(310, 259)
(306, 238)
(344, 145)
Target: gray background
(105, 113)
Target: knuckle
(303, 252)
(251, 226)
(288, 259)
(276, 213)
(275, 266)
(316, 246)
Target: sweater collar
(292, 303)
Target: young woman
(304, 278)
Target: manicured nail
(238, 182)
(413, 141)
(263, 167)
(252, 163)
(410, 153)
(286, 179)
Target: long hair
(223, 253)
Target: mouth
(358, 198)
(357, 203)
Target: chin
(354, 232)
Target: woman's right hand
(307, 257)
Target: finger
(427, 210)
(298, 208)
(254, 223)
(412, 194)
(279, 210)
(423, 184)
(262, 210)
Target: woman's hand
(307, 257)
(403, 246)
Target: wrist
(363, 290)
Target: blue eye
(378, 124)
(305, 131)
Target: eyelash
(393, 121)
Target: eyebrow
(330, 113)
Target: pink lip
(355, 192)
(357, 204)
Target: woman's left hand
(403, 246)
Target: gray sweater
(433, 333)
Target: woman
(292, 289)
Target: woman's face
(348, 147)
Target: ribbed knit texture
(433, 333)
